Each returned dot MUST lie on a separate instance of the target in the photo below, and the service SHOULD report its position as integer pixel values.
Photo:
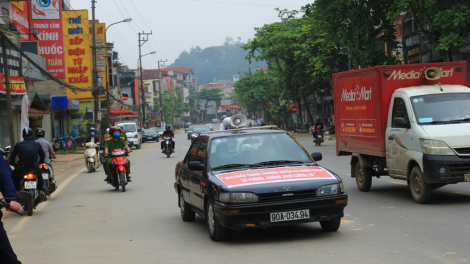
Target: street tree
(443, 23)
(208, 95)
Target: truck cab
(133, 133)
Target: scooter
(167, 147)
(21, 197)
(5, 152)
(49, 185)
(119, 176)
(318, 136)
(92, 159)
(29, 183)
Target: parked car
(190, 131)
(210, 126)
(199, 129)
(186, 126)
(256, 179)
(215, 120)
(159, 131)
(149, 135)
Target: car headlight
(328, 190)
(228, 197)
(436, 147)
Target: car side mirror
(317, 156)
(23, 196)
(195, 166)
(400, 122)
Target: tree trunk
(299, 112)
(321, 114)
(449, 55)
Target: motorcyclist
(168, 133)
(318, 127)
(7, 189)
(92, 137)
(47, 148)
(107, 135)
(28, 151)
(117, 141)
(122, 132)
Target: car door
(398, 139)
(197, 176)
(186, 173)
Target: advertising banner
(17, 85)
(46, 18)
(101, 58)
(77, 53)
(285, 174)
(20, 17)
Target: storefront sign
(46, 18)
(20, 17)
(101, 59)
(77, 55)
(14, 61)
(399, 28)
(17, 85)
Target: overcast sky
(177, 25)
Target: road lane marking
(462, 193)
(400, 183)
(18, 227)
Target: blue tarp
(59, 103)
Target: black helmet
(168, 127)
(27, 132)
(92, 130)
(40, 132)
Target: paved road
(89, 222)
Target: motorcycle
(167, 147)
(29, 183)
(5, 152)
(21, 197)
(49, 185)
(92, 159)
(318, 136)
(63, 143)
(119, 176)
(68, 141)
(331, 130)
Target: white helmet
(107, 130)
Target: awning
(229, 106)
(121, 111)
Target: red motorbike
(120, 170)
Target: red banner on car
(250, 177)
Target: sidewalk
(67, 163)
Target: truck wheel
(138, 146)
(363, 177)
(420, 190)
(331, 225)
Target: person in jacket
(47, 148)
(28, 152)
(168, 133)
(117, 141)
(7, 188)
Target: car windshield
(256, 150)
(129, 128)
(201, 129)
(442, 108)
(149, 131)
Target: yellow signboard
(101, 57)
(78, 66)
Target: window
(201, 154)
(399, 110)
(192, 154)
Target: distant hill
(219, 62)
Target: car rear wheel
(363, 177)
(216, 231)
(187, 214)
(420, 190)
(331, 225)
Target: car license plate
(466, 177)
(290, 216)
(45, 176)
(30, 185)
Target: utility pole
(141, 43)
(160, 88)
(95, 70)
(6, 72)
(197, 103)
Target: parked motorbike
(64, 143)
(49, 185)
(318, 136)
(120, 175)
(5, 152)
(68, 141)
(331, 130)
(92, 159)
(167, 147)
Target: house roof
(181, 70)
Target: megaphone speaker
(433, 74)
(235, 121)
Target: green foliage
(211, 95)
(443, 23)
(173, 104)
(219, 62)
(356, 26)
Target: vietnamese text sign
(77, 55)
(17, 85)
(250, 177)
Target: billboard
(46, 18)
(20, 17)
(101, 59)
(77, 53)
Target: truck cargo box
(362, 100)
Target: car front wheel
(216, 231)
(331, 225)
